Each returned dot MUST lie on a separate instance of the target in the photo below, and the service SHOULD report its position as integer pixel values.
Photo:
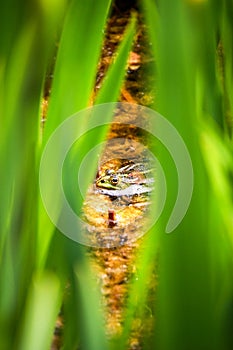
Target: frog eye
(114, 180)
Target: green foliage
(192, 45)
(195, 266)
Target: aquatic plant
(191, 308)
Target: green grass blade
(92, 327)
(186, 301)
(225, 62)
(23, 57)
(117, 70)
(97, 135)
(74, 77)
(77, 59)
(41, 311)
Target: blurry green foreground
(193, 49)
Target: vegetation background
(192, 44)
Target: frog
(118, 200)
(129, 179)
(111, 180)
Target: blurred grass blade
(74, 78)
(11, 136)
(24, 50)
(149, 8)
(219, 173)
(92, 326)
(117, 69)
(138, 305)
(42, 307)
(225, 62)
(186, 317)
(77, 58)
(96, 135)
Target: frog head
(111, 180)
